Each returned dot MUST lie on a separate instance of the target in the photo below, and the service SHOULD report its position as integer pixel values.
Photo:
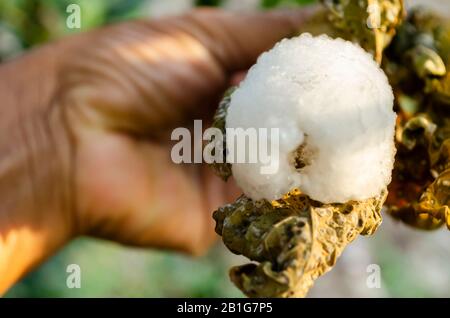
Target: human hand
(95, 135)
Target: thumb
(155, 74)
(236, 40)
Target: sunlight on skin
(94, 113)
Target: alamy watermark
(374, 278)
(73, 280)
(249, 145)
(73, 20)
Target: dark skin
(85, 133)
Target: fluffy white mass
(330, 98)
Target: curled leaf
(427, 62)
(294, 240)
(435, 201)
(371, 23)
(415, 129)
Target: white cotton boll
(330, 97)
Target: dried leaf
(294, 239)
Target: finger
(236, 40)
(139, 197)
(237, 78)
(149, 75)
(215, 44)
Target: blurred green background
(24, 23)
(413, 263)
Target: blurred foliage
(25, 23)
(275, 3)
(213, 3)
(107, 269)
(38, 21)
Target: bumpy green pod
(294, 239)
